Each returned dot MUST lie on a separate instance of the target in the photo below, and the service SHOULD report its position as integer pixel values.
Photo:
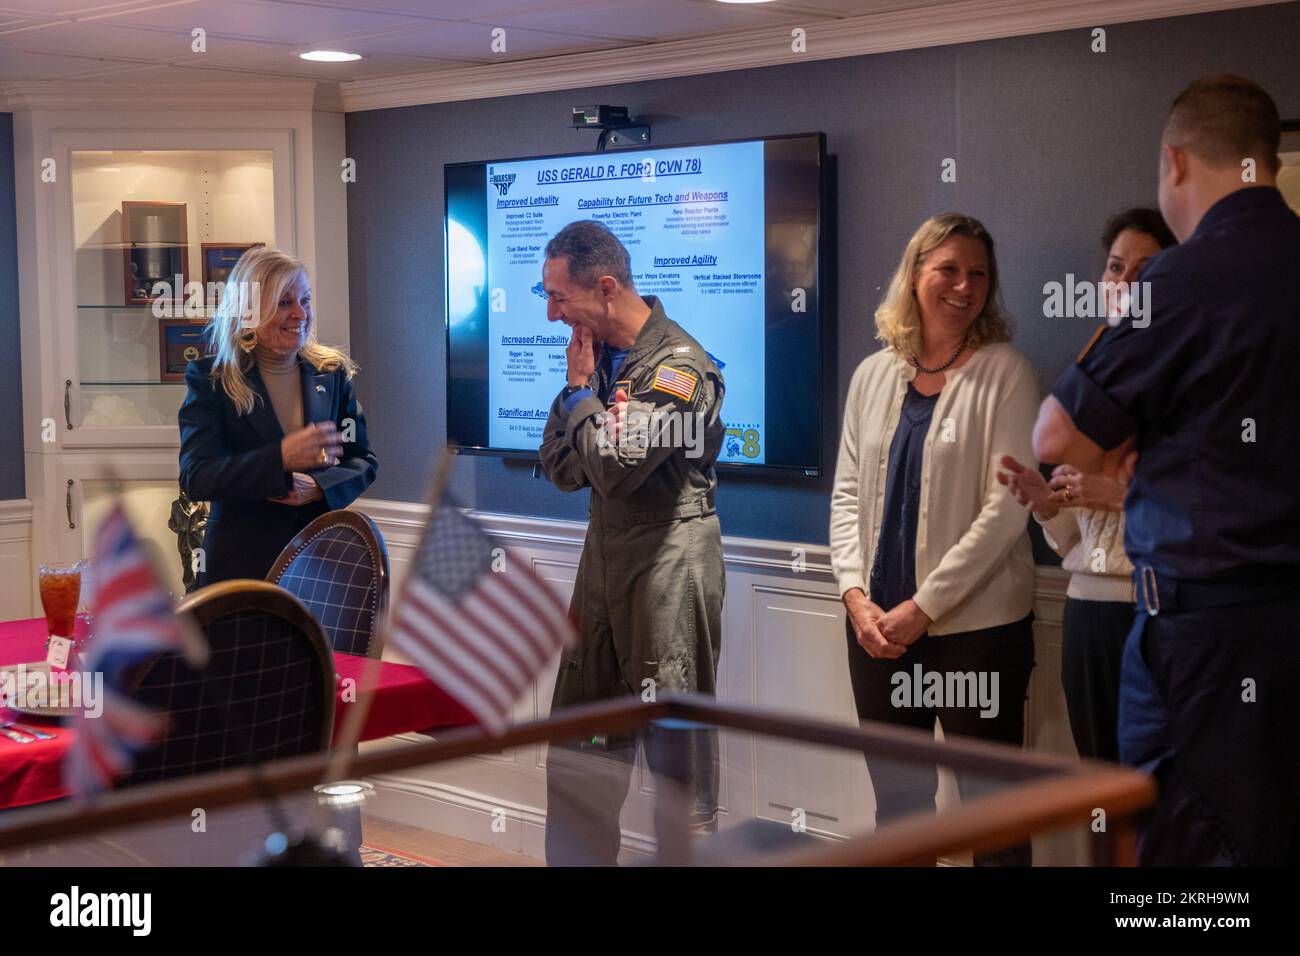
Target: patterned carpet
(382, 856)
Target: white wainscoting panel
(783, 650)
(18, 590)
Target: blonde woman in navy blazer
(267, 478)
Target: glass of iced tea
(60, 592)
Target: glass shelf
(220, 197)
(119, 245)
(180, 308)
(134, 305)
(117, 382)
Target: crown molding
(963, 21)
(106, 93)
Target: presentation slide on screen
(692, 220)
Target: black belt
(1166, 593)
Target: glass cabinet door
(156, 233)
(149, 505)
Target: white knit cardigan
(974, 565)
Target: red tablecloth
(405, 700)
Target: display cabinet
(123, 246)
(139, 304)
(83, 488)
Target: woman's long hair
(898, 320)
(251, 297)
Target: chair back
(267, 691)
(337, 567)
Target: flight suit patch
(634, 439)
(675, 381)
(625, 384)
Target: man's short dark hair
(1224, 119)
(1146, 221)
(591, 251)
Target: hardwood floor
(435, 847)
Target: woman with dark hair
(1082, 516)
(1130, 240)
(931, 556)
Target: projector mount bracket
(617, 130)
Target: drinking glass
(60, 592)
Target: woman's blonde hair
(251, 298)
(898, 320)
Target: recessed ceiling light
(329, 56)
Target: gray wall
(12, 484)
(1050, 140)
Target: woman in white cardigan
(931, 554)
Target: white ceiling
(151, 39)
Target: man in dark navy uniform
(1205, 392)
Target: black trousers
(1092, 648)
(1208, 705)
(1007, 651)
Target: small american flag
(480, 634)
(675, 382)
(134, 623)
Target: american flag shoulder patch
(675, 381)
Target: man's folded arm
(617, 468)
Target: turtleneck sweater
(283, 384)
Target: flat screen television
(727, 234)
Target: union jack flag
(134, 623)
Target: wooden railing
(1042, 792)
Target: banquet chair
(267, 691)
(337, 567)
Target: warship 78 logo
(503, 182)
(743, 441)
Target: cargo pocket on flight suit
(676, 670)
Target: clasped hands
(1067, 488)
(317, 445)
(881, 633)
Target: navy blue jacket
(233, 462)
(1209, 387)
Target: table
(405, 700)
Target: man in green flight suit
(639, 422)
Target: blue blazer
(233, 462)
